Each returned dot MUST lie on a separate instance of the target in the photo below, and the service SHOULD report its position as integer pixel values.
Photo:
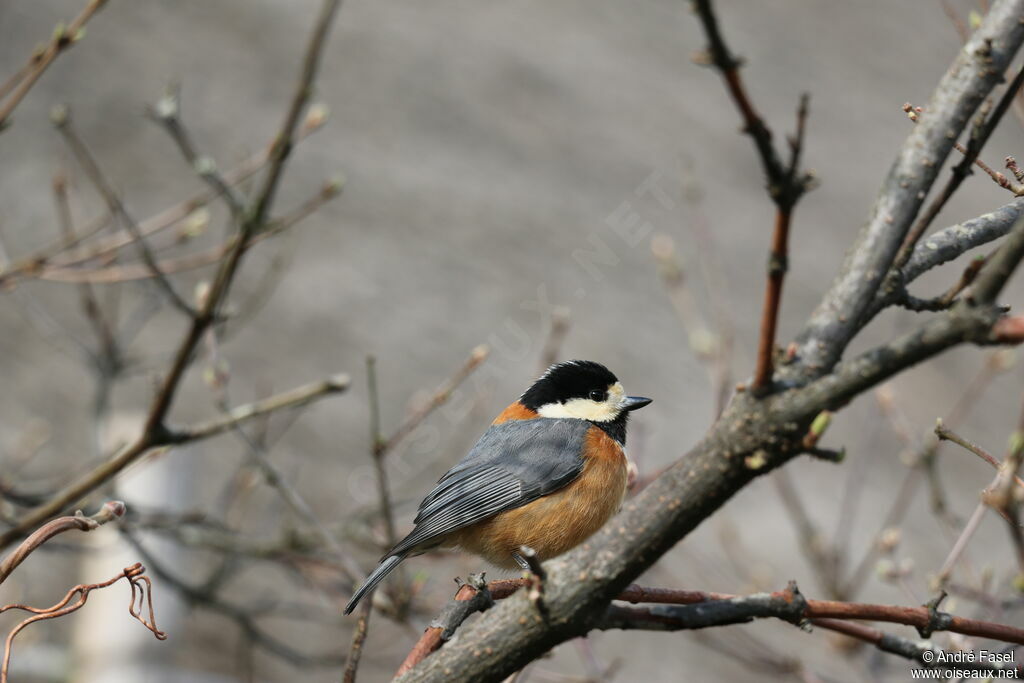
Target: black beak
(635, 402)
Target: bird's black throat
(615, 428)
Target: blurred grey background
(482, 145)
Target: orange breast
(561, 520)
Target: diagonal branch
(721, 57)
(960, 172)
(63, 38)
(295, 398)
(949, 243)
(167, 112)
(62, 120)
(972, 76)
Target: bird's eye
(598, 396)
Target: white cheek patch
(588, 409)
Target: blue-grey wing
(512, 464)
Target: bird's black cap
(564, 381)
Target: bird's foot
(534, 574)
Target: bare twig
(785, 199)
(63, 38)
(473, 596)
(904, 647)
(946, 434)
(439, 397)
(786, 182)
(813, 543)
(111, 510)
(142, 589)
(62, 119)
(203, 596)
(34, 264)
(358, 639)
(167, 113)
(154, 431)
(970, 156)
(295, 398)
(949, 243)
(998, 495)
(123, 273)
(377, 452)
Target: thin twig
(167, 113)
(110, 510)
(124, 273)
(62, 120)
(235, 417)
(141, 587)
(946, 434)
(439, 397)
(960, 172)
(154, 430)
(772, 301)
(63, 38)
(377, 443)
(108, 354)
(358, 639)
(786, 183)
(813, 543)
(206, 597)
(55, 255)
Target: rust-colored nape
(516, 411)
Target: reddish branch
(772, 300)
(1009, 330)
(141, 598)
(111, 510)
(721, 609)
(786, 183)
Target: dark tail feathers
(382, 570)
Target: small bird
(547, 474)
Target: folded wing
(514, 463)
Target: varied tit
(548, 473)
